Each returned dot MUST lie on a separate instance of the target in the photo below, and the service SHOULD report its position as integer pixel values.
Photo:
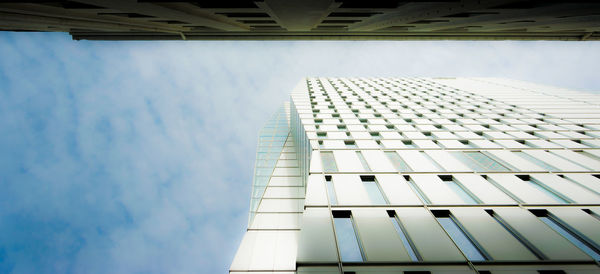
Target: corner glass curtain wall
(271, 140)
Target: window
(464, 194)
(579, 240)
(373, 190)
(408, 244)
(543, 188)
(478, 161)
(328, 161)
(348, 243)
(467, 143)
(330, 190)
(466, 244)
(397, 161)
(350, 144)
(408, 143)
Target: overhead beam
(35, 20)
(42, 11)
(417, 11)
(299, 15)
(134, 6)
(491, 20)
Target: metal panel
(493, 238)
(242, 258)
(350, 190)
(555, 161)
(286, 248)
(263, 251)
(380, 240)
(567, 188)
(484, 190)
(515, 161)
(436, 190)
(579, 159)
(316, 166)
(316, 242)
(430, 240)
(397, 190)
(520, 189)
(582, 222)
(316, 193)
(586, 180)
(378, 161)
(446, 160)
(417, 162)
(347, 161)
(550, 243)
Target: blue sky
(137, 157)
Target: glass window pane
(331, 191)
(347, 241)
(328, 161)
(478, 161)
(373, 190)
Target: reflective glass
(374, 193)
(328, 161)
(478, 161)
(271, 141)
(347, 241)
(331, 192)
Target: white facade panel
(397, 190)
(550, 243)
(432, 242)
(417, 161)
(316, 193)
(379, 237)
(350, 190)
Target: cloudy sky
(125, 157)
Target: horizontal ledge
(476, 263)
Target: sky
(137, 157)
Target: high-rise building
(426, 175)
(307, 19)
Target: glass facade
(271, 140)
